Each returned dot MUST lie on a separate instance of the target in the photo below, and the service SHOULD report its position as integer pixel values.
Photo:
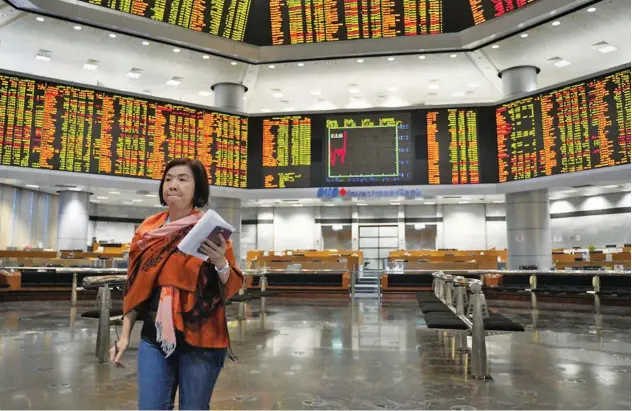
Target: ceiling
(149, 198)
(466, 78)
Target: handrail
(263, 271)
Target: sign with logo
(336, 192)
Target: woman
(184, 339)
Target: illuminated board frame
(329, 131)
(503, 166)
(243, 143)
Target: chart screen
(583, 126)
(66, 128)
(369, 148)
(453, 149)
(287, 151)
(225, 18)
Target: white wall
(464, 227)
(27, 218)
(460, 226)
(116, 231)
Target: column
(528, 229)
(229, 96)
(527, 212)
(519, 80)
(72, 220)
(230, 210)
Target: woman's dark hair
(200, 178)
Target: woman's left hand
(216, 253)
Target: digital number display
(453, 150)
(317, 21)
(225, 18)
(67, 128)
(369, 148)
(583, 126)
(287, 151)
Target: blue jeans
(193, 370)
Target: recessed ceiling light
(115, 192)
(204, 93)
(495, 46)
(604, 47)
(362, 204)
(43, 55)
(329, 205)
(396, 203)
(391, 59)
(393, 88)
(464, 202)
(91, 65)
(102, 198)
(206, 57)
(421, 57)
(430, 202)
(592, 9)
(524, 35)
(233, 63)
(499, 201)
(151, 195)
(39, 18)
(433, 86)
(353, 89)
(137, 200)
(315, 92)
(556, 23)
(176, 50)
(145, 43)
(77, 27)
(135, 73)
(74, 189)
(297, 205)
(271, 66)
(112, 35)
(453, 56)
(174, 81)
(559, 62)
(611, 186)
(32, 186)
(266, 110)
(458, 94)
(360, 61)
(300, 64)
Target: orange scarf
(191, 296)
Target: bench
(445, 308)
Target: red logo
(342, 192)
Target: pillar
(229, 96)
(528, 229)
(527, 213)
(230, 210)
(72, 220)
(519, 80)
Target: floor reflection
(333, 354)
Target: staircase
(367, 285)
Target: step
(366, 286)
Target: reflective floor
(333, 354)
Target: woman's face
(179, 187)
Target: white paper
(202, 229)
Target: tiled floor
(333, 354)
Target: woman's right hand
(116, 352)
